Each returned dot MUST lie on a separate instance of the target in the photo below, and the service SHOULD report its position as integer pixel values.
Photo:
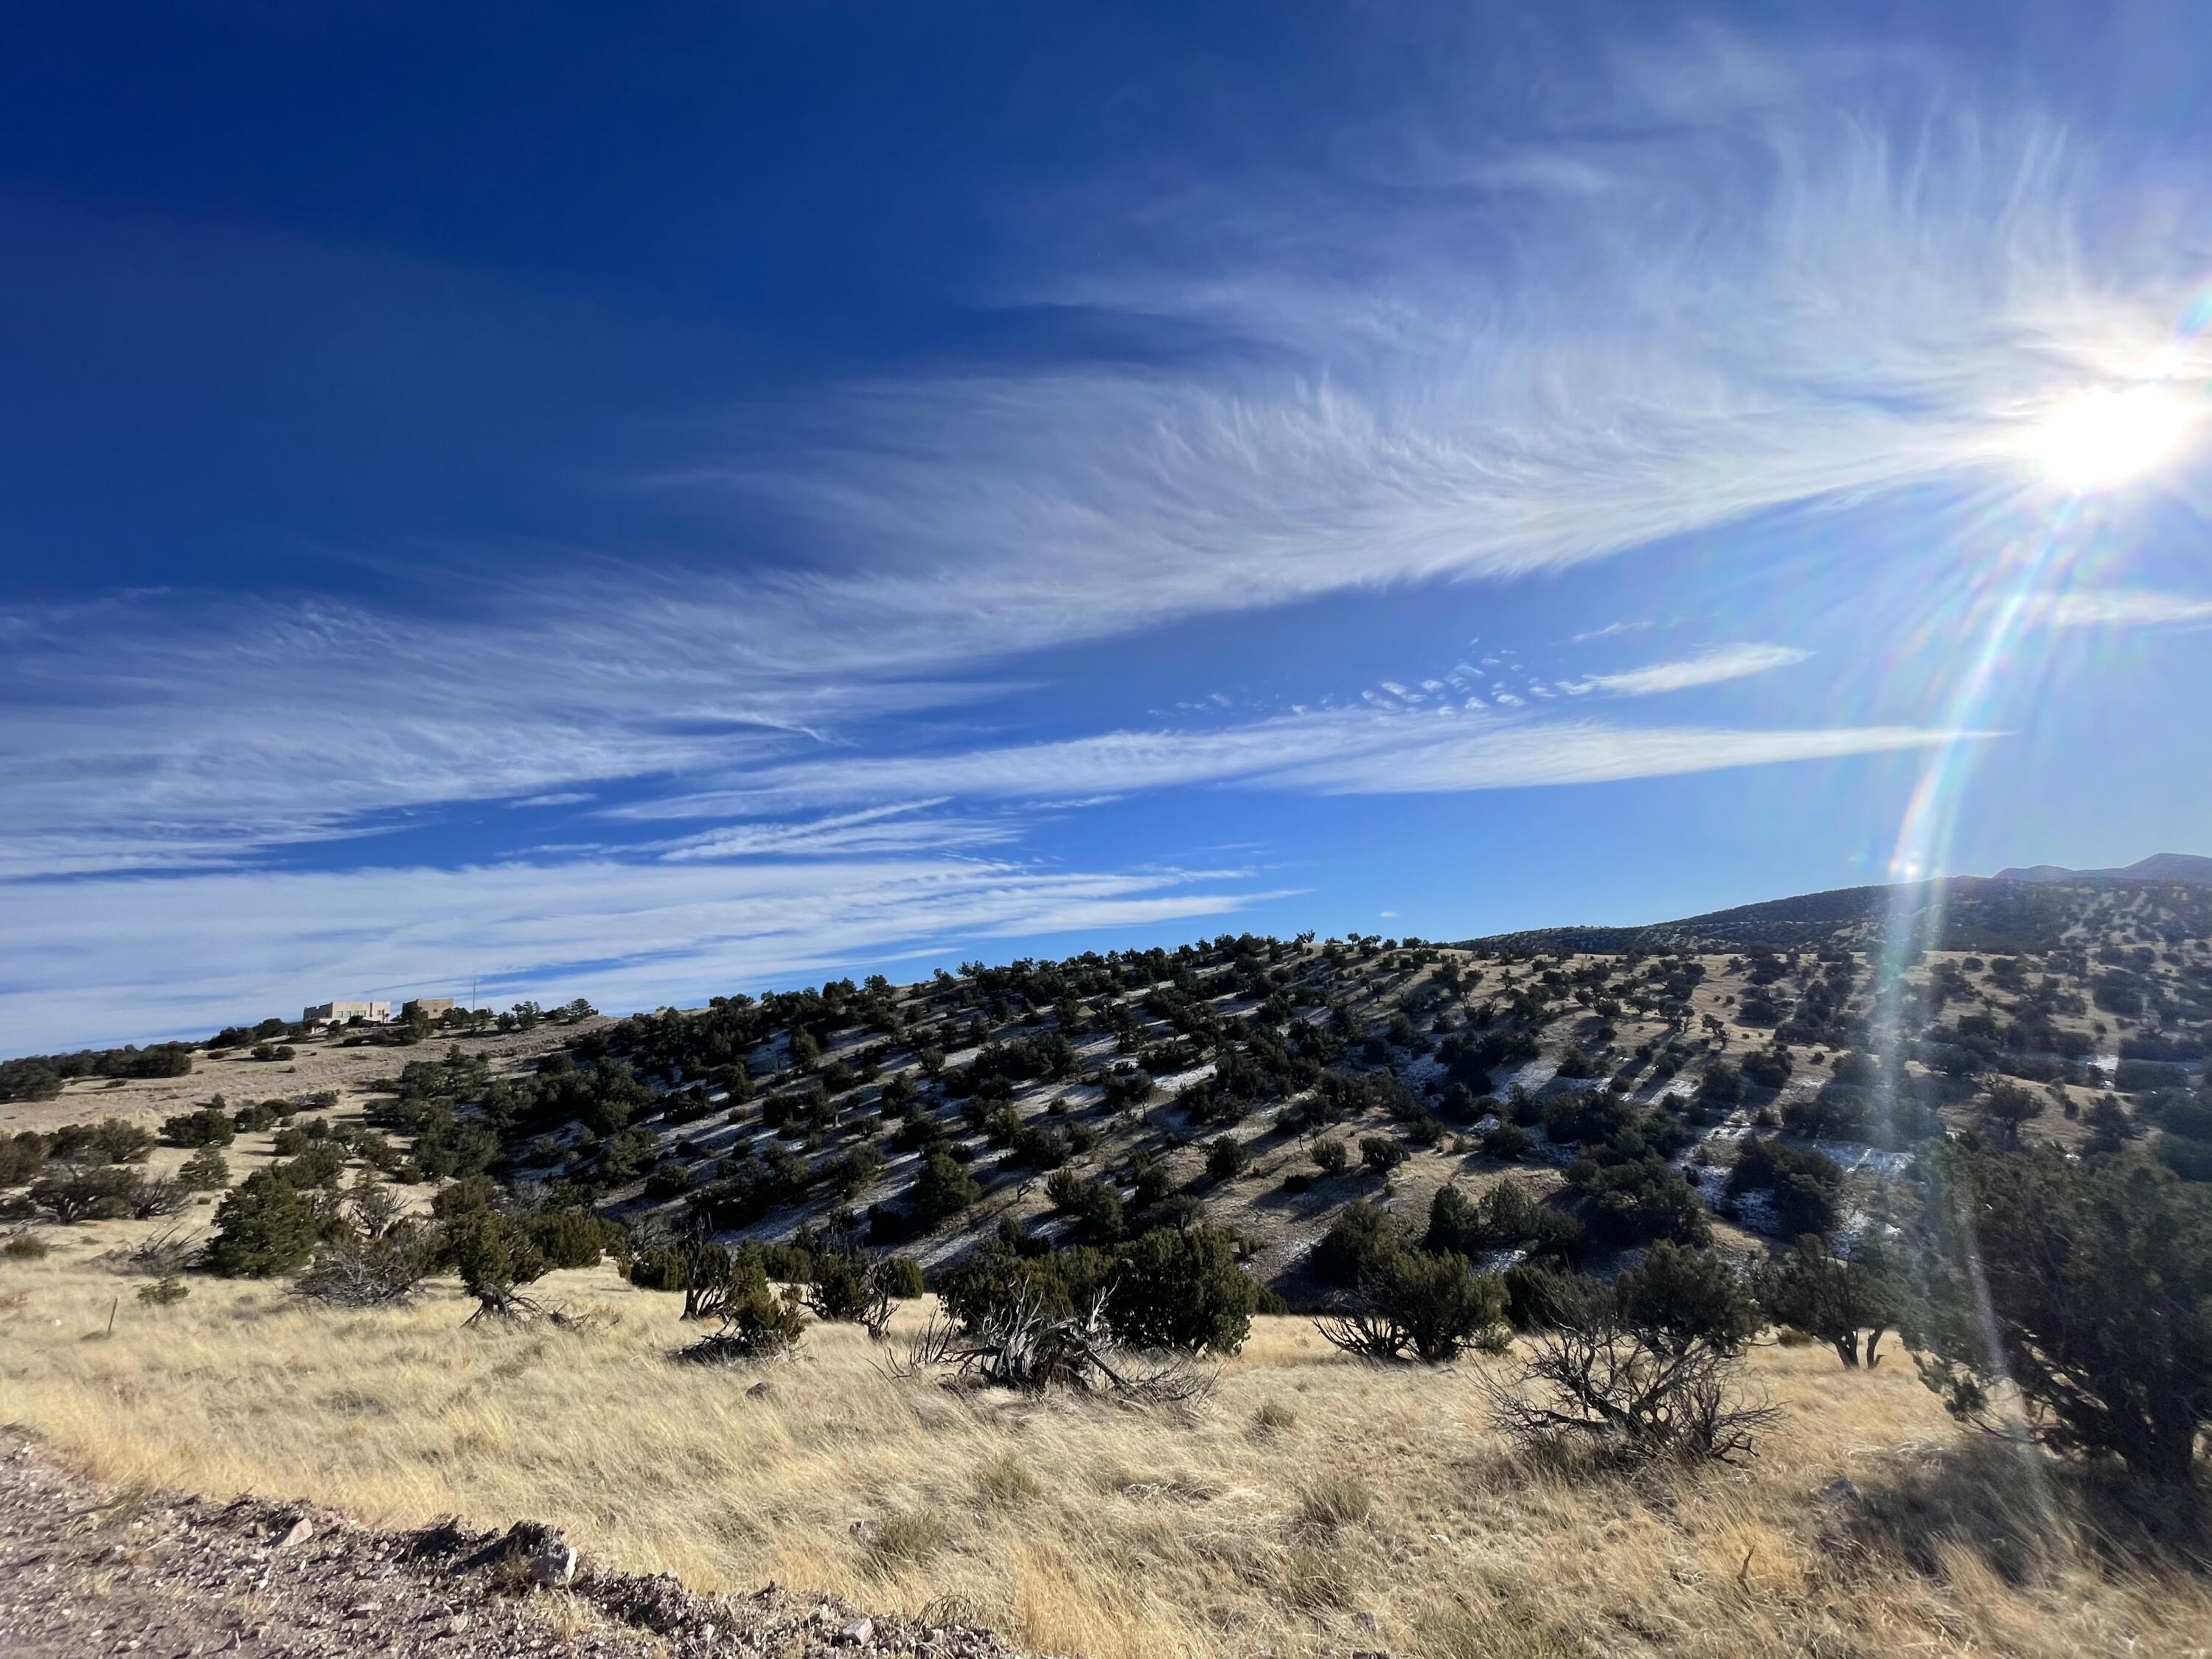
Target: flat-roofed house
(429, 1007)
(342, 1014)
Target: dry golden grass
(1308, 1489)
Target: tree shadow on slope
(2027, 1515)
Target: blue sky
(652, 501)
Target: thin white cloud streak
(874, 830)
(2117, 607)
(206, 950)
(1554, 754)
(152, 732)
(1713, 667)
(1322, 751)
(1609, 631)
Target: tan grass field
(1307, 1490)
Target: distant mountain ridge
(2158, 866)
(2019, 910)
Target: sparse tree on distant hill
(942, 1189)
(2008, 1109)
(205, 1171)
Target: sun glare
(2099, 440)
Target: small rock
(761, 1391)
(1368, 1622)
(554, 1567)
(859, 1633)
(457, 1624)
(301, 1533)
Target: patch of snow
(1419, 1073)
(1531, 1075)
(1176, 1081)
(1862, 1159)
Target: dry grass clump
(1335, 1499)
(1312, 1505)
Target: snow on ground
(1176, 1081)
(1858, 1159)
(1419, 1074)
(1531, 1075)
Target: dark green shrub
(322, 1164)
(756, 1323)
(942, 1190)
(208, 1126)
(1381, 1153)
(1182, 1289)
(903, 1277)
(997, 1276)
(495, 1256)
(568, 1238)
(1857, 1069)
(1832, 1115)
(23, 1156)
(1805, 1187)
(109, 1141)
(1361, 1236)
(264, 1227)
(1640, 1202)
(842, 1290)
(1509, 1143)
(1227, 1158)
(1769, 1068)
(1679, 1296)
(1429, 1306)
(2142, 1077)
(669, 1179)
(1834, 1298)
(2088, 1278)
(85, 1192)
(1454, 1225)
(1538, 1296)
(1331, 1157)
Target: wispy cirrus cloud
(2115, 607)
(209, 949)
(1785, 289)
(1713, 667)
(901, 827)
(1331, 752)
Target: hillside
(505, 1235)
(1082, 1101)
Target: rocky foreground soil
(87, 1570)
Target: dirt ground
(85, 1569)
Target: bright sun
(2097, 440)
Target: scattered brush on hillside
(1024, 1346)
